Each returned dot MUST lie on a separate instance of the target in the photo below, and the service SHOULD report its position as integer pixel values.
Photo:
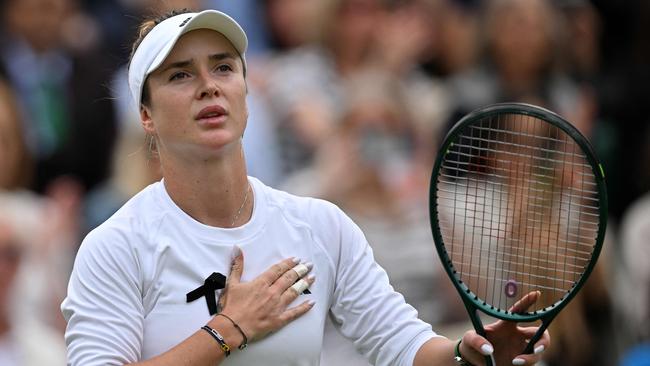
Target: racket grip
(480, 330)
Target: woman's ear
(145, 119)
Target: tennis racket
(518, 203)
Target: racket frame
(471, 301)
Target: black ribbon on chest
(216, 281)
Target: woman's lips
(212, 114)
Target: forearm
(437, 351)
(200, 348)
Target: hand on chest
(190, 280)
(196, 273)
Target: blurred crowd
(348, 101)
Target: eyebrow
(177, 65)
(222, 56)
(184, 63)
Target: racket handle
(478, 327)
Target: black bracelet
(458, 358)
(219, 338)
(244, 343)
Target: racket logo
(511, 288)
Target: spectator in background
(15, 161)
(582, 61)
(453, 51)
(291, 23)
(371, 168)
(454, 44)
(61, 89)
(624, 94)
(135, 165)
(53, 222)
(24, 339)
(402, 41)
(305, 85)
(522, 41)
(584, 28)
(633, 277)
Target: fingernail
(309, 265)
(539, 349)
(311, 278)
(487, 349)
(518, 361)
(295, 260)
(311, 302)
(236, 252)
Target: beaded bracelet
(219, 338)
(244, 343)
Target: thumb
(237, 267)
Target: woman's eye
(224, 68)
(178, 75)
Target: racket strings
(506, 170)
(513, 145)
(569, 195)
(518, 209)
(571, 254)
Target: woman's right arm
(257, 307)
(105, 313)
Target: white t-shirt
(127, 293)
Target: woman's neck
(214, 192)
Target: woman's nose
(208, 87)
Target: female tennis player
(196, 267)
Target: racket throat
(478, 326)
(475, 318)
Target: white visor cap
(160, 40)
